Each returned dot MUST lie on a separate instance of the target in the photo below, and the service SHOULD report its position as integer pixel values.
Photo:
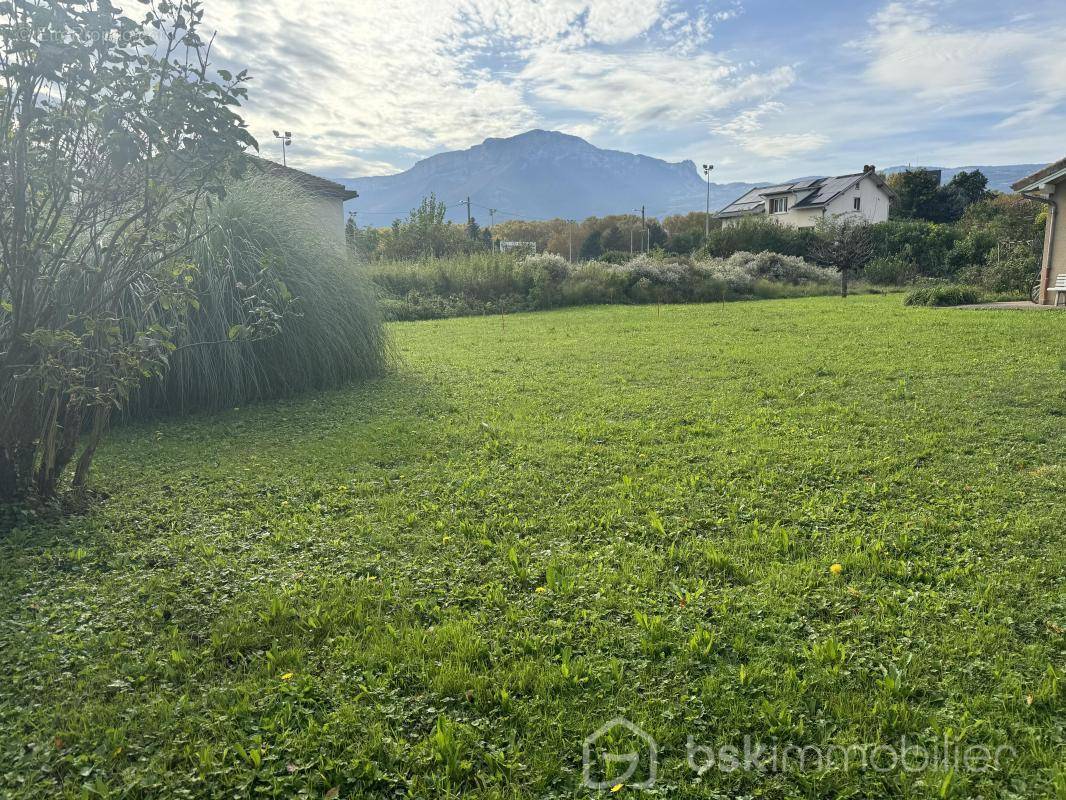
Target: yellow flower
(541, 589)
(617, 787)
(836, 569)
(287, 676)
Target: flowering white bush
(546, 280)
(548, 262)
(738, 271)
(776, 267)
(734, 275)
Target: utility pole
(492, 228)
(643, 230)
(707, 217)
(570, 237)
(468, 212)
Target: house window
(858, 204)
(778, 205)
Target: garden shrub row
(490, 284)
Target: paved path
(1014, 305)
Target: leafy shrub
(333, 336)
(417, 305)
(890, 271)
(548, 271)
(450, 287)
(943, 295)
(926, 245)
(1014, 272)
(614, 257)
(755, 235)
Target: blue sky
(764, 89)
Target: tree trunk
(843, 283)
(81, 471)
(9, 484)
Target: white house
(1048, 186)
(801, 204)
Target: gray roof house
(1048, 186)
(802, 203)
(328, 195)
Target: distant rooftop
(305, 180)
(822, 192)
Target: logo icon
(599, 761)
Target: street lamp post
(707, 217)
(286, 140)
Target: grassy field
(440, 583)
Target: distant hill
(545, 174)
(999, 177)
(541, 174)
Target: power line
(524, 216)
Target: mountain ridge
(542, 174)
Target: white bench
(1059, 287)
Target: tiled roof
(305, 180)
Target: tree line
(935, 231)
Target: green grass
(440, 582)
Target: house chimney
(868, 168)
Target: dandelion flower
(836, 569)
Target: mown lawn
(440, 583)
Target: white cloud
(362, 77)
(633, 91)
(911, 51)
(747, 130)
(357, 80)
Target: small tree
(112, 137)
(844, 243)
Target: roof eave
(746, 212)
(1052, 173)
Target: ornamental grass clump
(266, 241)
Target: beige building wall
(331, 211)
(1057, 235)
(797, 217)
